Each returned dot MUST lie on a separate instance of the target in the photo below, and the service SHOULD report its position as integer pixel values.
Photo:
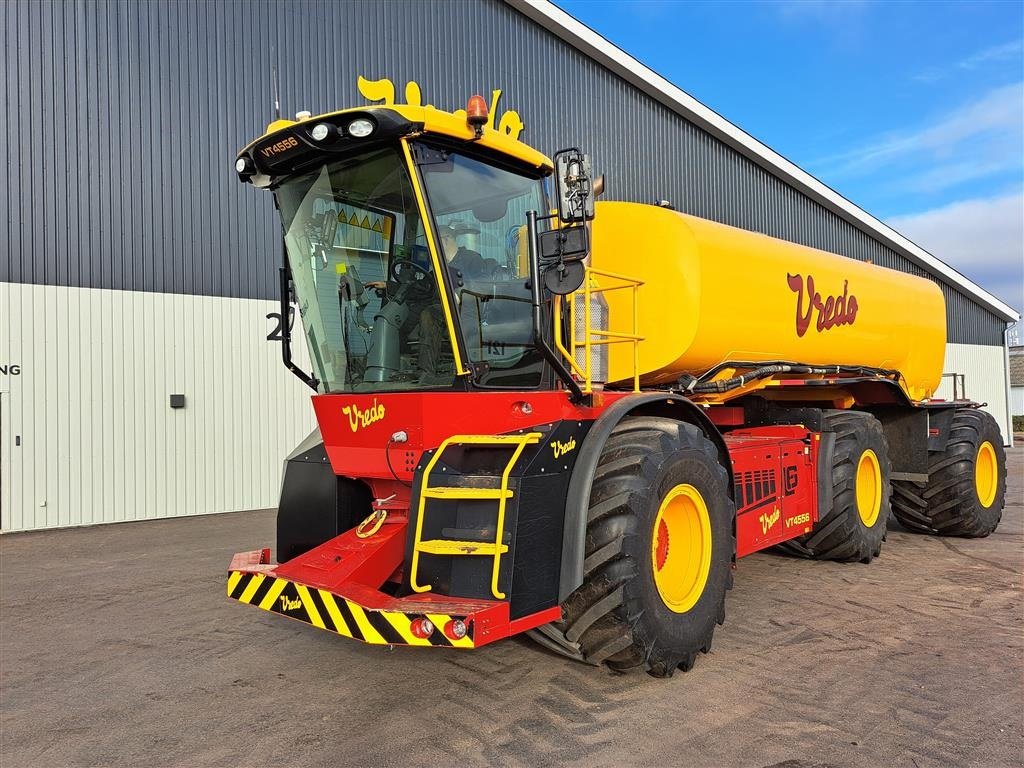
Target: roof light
(321, 131)
(303, 114)
(476, 114)
(360, 128)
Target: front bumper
(363, 613)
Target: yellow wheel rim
(681, 548)
(869, 488)
(986, 474)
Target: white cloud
(1011, 50)
(982, 238)
(979, 132)
(942, 177)
(994, 54)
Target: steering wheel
(406, 271)
(413, 280)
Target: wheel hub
(986, 474)
(869, 488)
(681, 548)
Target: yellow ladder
(501, 495)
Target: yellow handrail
(596, 336)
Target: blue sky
(914, 111)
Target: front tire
(966, 487)
(854, 528)
(659, 552)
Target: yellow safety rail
(596, 336)
(501, 495)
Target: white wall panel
(984, 370)
(90, 408)
(1017, 401)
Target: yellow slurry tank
(713, 293)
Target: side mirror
(574, 186)
(567, 244)
(561, 258)
(564, 278)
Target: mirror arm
(286, 335)
(576, 394)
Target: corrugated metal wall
(111, 96)
(87, 434)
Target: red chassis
(352, 583)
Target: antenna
(273, 76)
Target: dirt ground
(118, 647)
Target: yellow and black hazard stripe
(336, 614)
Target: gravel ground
(118, 647)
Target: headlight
(321, 131)
(245, 167)
(360, 128)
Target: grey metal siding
(128, 115)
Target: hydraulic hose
(701, 385)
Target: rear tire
(659, 552)
(854, 528)
(966, 486)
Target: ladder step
(483, 535)
(465, 493)
(453, 547)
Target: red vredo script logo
(833, 311)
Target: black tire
(842, 534)
(948, 504)
(617, 617)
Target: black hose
(387, 458)
(701, 385)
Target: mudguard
(577, 502)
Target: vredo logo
(358, 418)
(560, 448)
(768, 521)
(287, 604)
(832, 312)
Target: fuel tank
(713, 293)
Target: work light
(321, 131)
(360, 128)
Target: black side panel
(538, 544)
(940, 422)
(826, 480)
(316, 505)
(540, 524)
(906, 432)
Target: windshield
(357, 251)
(480, 214)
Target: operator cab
(407, 256)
